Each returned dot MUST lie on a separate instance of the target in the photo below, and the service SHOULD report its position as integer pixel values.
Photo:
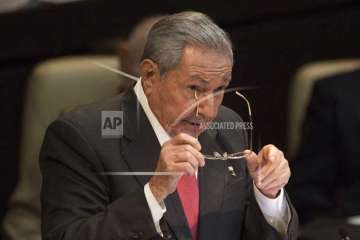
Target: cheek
(218, 102)
(176, 114)
(181, 109)
(219, 98)
(172, 106)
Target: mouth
(189, 126)
(192, 123)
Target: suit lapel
(176, 218)
(141, 149)
(211, 184)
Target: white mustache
(196, 120)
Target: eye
(195, 88)
(221, 88)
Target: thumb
(251, 161)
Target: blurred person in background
(130, 51)
(22, 221)
(14, 5)
(325, 185)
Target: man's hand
(269, 170)
(180, 155)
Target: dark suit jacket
(326, 180)
(79, 203)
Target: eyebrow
(202, 80)
(198, 78)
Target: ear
(150, 75)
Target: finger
(276, 169)
(266, 167)
(197, 155)
(270, 181)
(185, 167)
(276, 180)
(252, 161)
(186, 156)
(277, 187)
(274, 193)
(266, 174)
(183, 138)
(260, 168)
(271, 167)
(270, 152)
(274, 189)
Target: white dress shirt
(276, 211)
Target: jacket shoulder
(227, 114)
(87, 119)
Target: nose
(208, 107)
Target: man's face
(171, 97)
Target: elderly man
(96, 187)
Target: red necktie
(188, 191)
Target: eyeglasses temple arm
(250, 117)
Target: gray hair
(169, 36)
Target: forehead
(205, 62)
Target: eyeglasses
(225, 155)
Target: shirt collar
(160, 132)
